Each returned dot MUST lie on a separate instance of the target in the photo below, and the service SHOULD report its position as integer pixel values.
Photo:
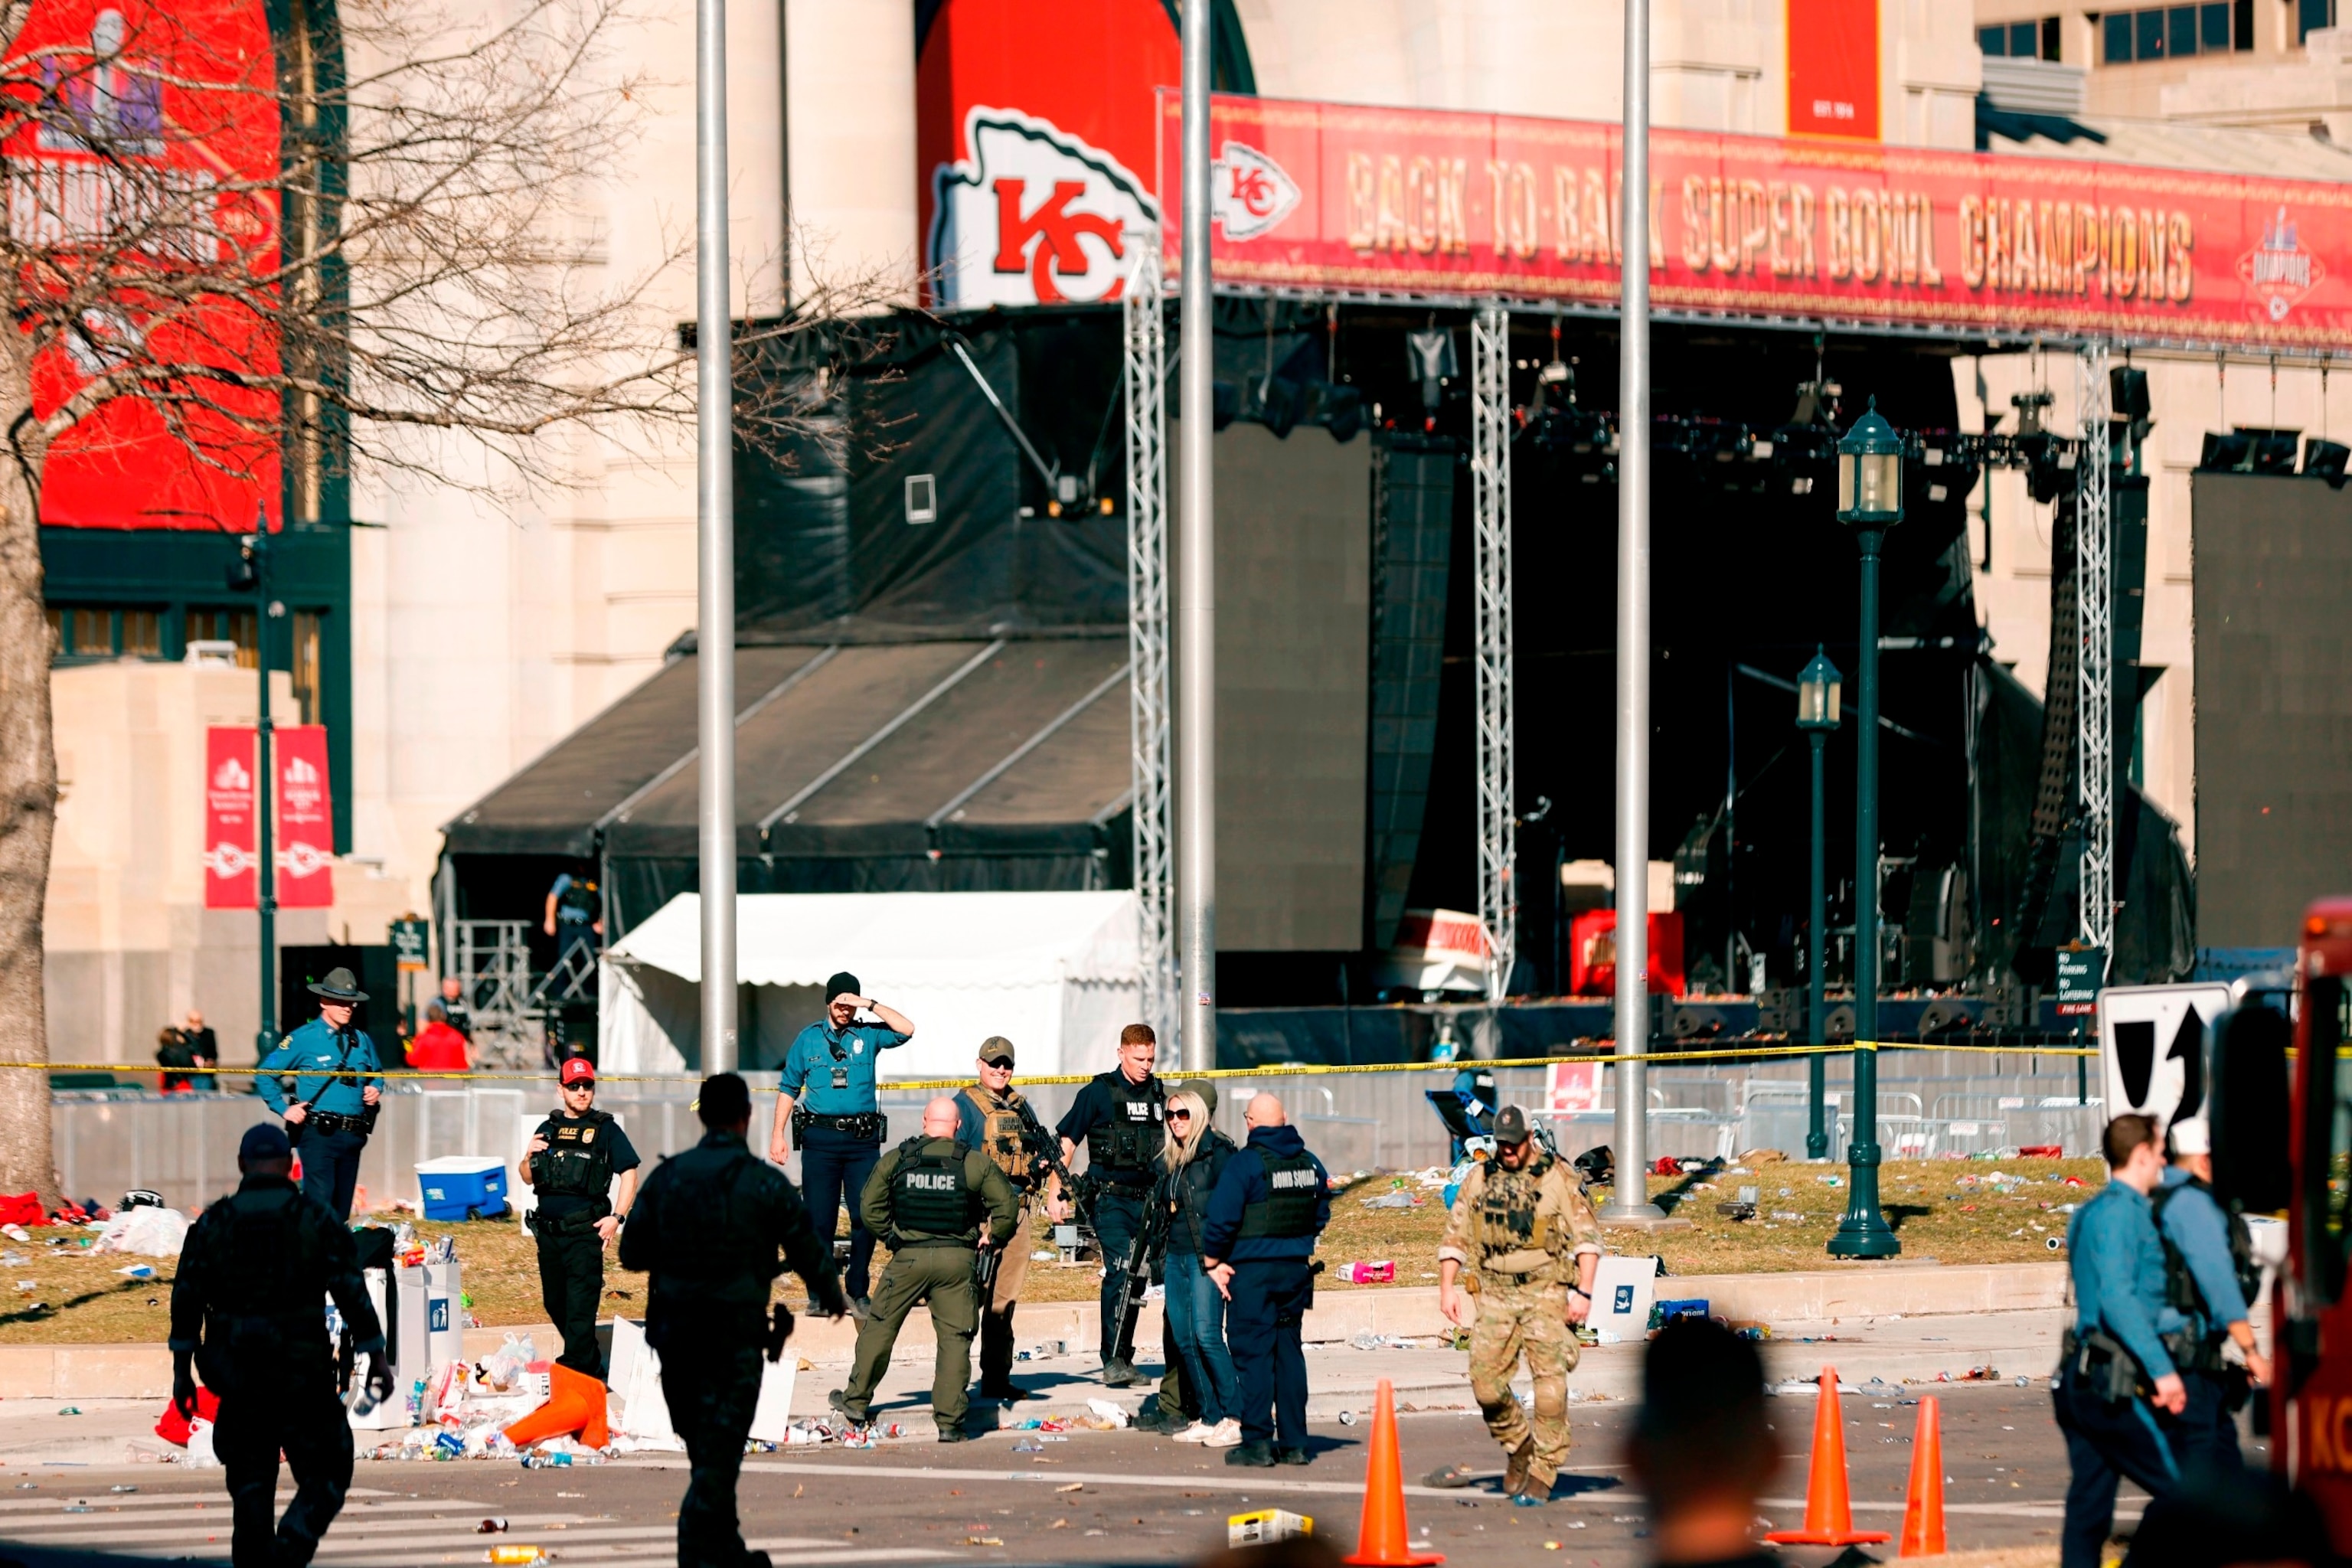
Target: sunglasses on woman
(1180, 1116)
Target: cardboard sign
(2155, 1048)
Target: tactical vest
(2180, 1286)
(578, 1160)
(931, 1194)
(264, 1289)
(1508, 1201)
(1293, 1192)
(577, 903)
(1128, 1138)
(713, 1251)
(1004, 1135)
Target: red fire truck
(2259, 1084)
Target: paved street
(1121, 1496)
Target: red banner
(229, 830)
(162, 106)
(306, 833)
(1833, 69)
(1324, 199)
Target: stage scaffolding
(1490, 480)
(1147, 631)
(2095, 666)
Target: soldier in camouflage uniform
(1532, 1243)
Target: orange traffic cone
(575, 1404)
(1380, 1543)
(1829, 1512)
(1923, 1510)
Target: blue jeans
(1196, 1332)
(834, 1166)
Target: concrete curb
(1814, 1297)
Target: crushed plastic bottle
(547, 1461)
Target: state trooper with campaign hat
(324, 1080)
(245, 1318)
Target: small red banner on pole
(306, 834)
(230, 882)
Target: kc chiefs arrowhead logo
(1034, 217)
(1249, 193)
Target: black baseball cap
(1511, 1125)
(263, 1142)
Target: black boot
(1259, 1456)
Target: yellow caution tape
(1279, 1069)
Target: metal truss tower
(1147, 631)
(2095, 669)
(1490, 480)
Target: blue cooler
(463, 1186)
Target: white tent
(1057, 974)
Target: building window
(105, 631)
(225, 625)
(305, 665)
(2020, 41)
(2178, 32)
(2312, 13)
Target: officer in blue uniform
(322, 1079)
(1269, 1205)
(827, 1104)
(2210, 1275)
(2120, 1399)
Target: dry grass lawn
(1946, 1209)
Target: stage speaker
(2326, 460)
(2226, 452)
(2127, 393)
(2274, 452)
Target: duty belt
(1548, 1274)
(869, 1126)
(564, 1225)
(333, 1122)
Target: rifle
(1046, 1150)
(1150, 1238)
(984, 1263)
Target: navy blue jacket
(1242, 1183)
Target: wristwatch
(1581, 1290)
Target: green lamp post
(1870, 501)
(1817, 716)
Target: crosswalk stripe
(214, 1490)
(641, 1560)
(134, 1526)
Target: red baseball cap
(577, 1069)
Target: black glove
(825, 1297)
(379, 1377)
(183, 1391)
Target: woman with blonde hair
(1191, 1160)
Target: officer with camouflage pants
(934, 1202)
(1533, 1244)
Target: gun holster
(2103, 1366)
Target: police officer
(1532, 1243)
(2120, 1400)
(575, 912)
(1120, 1116)
(827, 1102)
(331, 1107)
(1272, 1202)
(245, 1315)
(937, 1201)
(993, 1117)
(707, 1226)
(570, 1163)
(2210, 1275)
